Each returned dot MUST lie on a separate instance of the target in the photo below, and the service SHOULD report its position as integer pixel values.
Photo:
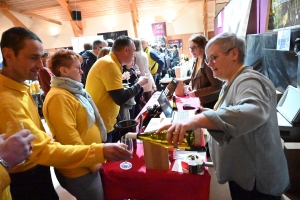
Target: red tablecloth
(140, 183)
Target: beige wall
(180, 19)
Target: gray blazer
(249, 149)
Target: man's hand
(125, 76)
(16, 148)
(143, 80)
(116, 152)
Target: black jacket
(88, 61)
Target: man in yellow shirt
(104, 82)
(13, 150)
(22, 51)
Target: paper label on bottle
(131, 135)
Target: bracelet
(4, 163)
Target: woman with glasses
(245, 142)
(203, 84)
(74, 119)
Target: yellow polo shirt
(17, 105)
(4, 184)
(67, 120)
(105, 75)
(153, 65)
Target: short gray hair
(226, 41)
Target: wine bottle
(174, 104)
(191, 139)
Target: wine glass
(128, 142)
(14, 127)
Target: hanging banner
(159, 29)
(159, 33)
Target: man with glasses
(90, 57)
(245, 142)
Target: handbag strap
(153, 66)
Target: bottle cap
(132, 135)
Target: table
(141, 183)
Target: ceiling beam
(134, 17)
(76, 25)
(31, 15)
(45, 8)
(10, 16)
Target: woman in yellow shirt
(73, 119)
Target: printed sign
(171, 43)
(283, 40)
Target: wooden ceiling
(56, 11)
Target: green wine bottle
(174, 104)
(191, 139)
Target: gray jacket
(249, 148)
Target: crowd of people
(86, 94)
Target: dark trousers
(33, 184)
(239, 193)
(147, 96)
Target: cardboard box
(156, 156)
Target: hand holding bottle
(191, 139)
(176, 132)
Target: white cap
(132, 135)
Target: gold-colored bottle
(191, 139)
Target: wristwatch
(4, 163)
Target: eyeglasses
(193, 48)
(78, 69)
(213, 58)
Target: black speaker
(76, 15)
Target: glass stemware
(13, 127)
(128, 142)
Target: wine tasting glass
(128, 142)
(13, 127)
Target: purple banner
(159, 29)
(178, 42)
